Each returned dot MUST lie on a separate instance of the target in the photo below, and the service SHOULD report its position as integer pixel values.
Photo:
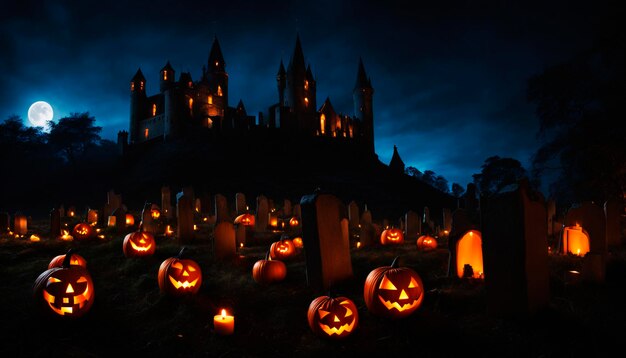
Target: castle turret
(362, 95)
(217, 76)
(297, 83)
(281, 82)
(167, 78)
(122, 142)
(137, 104)
(396, 164)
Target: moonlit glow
(40, 113)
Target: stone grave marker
(262, 213)
(240, 203)
(166, 202)
(184, 218)
(224, 245)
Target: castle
(183, 106)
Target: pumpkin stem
(330, 284)
(68, 258)
(180, 253)
(267, 255)
(395, 263)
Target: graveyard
(519, 282)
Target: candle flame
(223, 313)
(358, 244)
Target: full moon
(40, 113)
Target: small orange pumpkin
(294, 222)
(139, 244)
(245, 219)
(334, 318)
(75, 260)
(297, 242)
(282, 249)
(178, 276)
(392, 291)
(426, 243)
(392, 236)
(82, 231)
(268, 271)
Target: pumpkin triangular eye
(386, 284)
(323, 313)
(413, 283)
(82, 279)
(348, 312)
(53, 280)
(177, 265)
(191, 269)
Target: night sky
(449, 77)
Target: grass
(130, 316)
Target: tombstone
(612, 212)
(428, 226)
(189, 192)
(92, 216)
(591, 218)
(224, 243)
(287, 208)
(353, 214)
(447, 220)
(20, 224)
(120, 219)
(240, 203)
(366, 217)
(241, 235)
(297, 210)
(461, 224)
(55, 223)
(206, 204)
(5, 225)
(514, 233)
(184, 218)
(327, 252)
(412, 225)
(222, 214)
(166, 202)
(114, 201)
(262, 212)
(148, 223)
(367, 235)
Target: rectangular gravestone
(287, 208)
(55, 223)
(591, 217)
(297, 212)
(412, 225)
(367, 235)
(92, 216)
(353, 214)
(184, 218)
(515, 255)
(262, 213)
(366, 217)
(612, 211)
(327, 249)
(206, 204)
(240, 203)
(241, 235)
(224, 243)
(120, 219)
(5, 225)
(461, 224)
(148, 223)
(166, 202)
(221, 209)
(114, 201)
(20, 224)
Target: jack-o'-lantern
(178, 276)
(294, 222)
(82, 231)
(282, 249)
(297, 242)
(334, 318)
(155, 213)
(66, 291)
(139, 244)
(267, 271)
(392, 236)
(393, 291)
(426, 243)
(246, 219)
(75, 260)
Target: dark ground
(130, 316)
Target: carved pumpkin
(82, 231)
(66, 291)
(246, 219)
(155, 213)
(282, 249)
(392, 236)
(392, 291)
(139, 244)
(297, 242)
(75, 260)
(426, 243)
(178, 276)
(267, 271)
(334, 318)
(294, 222)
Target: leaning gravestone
(184, 218)
(55, 223)
(5, 225)
(412, 225)
(224, 244)
(262, 214)
(353, 214)
(514, 234)
(591, 217)
(327, 252)
(612, 211)
(166, 202)
(240, 203)
(221, 209)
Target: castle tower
(217, 76)
(167, 78)
(396, 164)
(300, 96)
(362, 96)
(281, 83)
(137, 104)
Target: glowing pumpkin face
(333, 318)
(281, 250)
(139, 244)
(66, 291)
(393, 292)
(155, 213)
(245, 219)
(82, 231)
(426, 243)
(392, 236)
(297, 242)
(294, 222)
(179, 276)
(75, 260)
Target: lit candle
(224, 324)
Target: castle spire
(297, 59)
(396, 164)
(362, 81)
(216, 59)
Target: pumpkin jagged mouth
(186, 284)
(338, 331)
(79, 300)
(396, 305)
(140, 248)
